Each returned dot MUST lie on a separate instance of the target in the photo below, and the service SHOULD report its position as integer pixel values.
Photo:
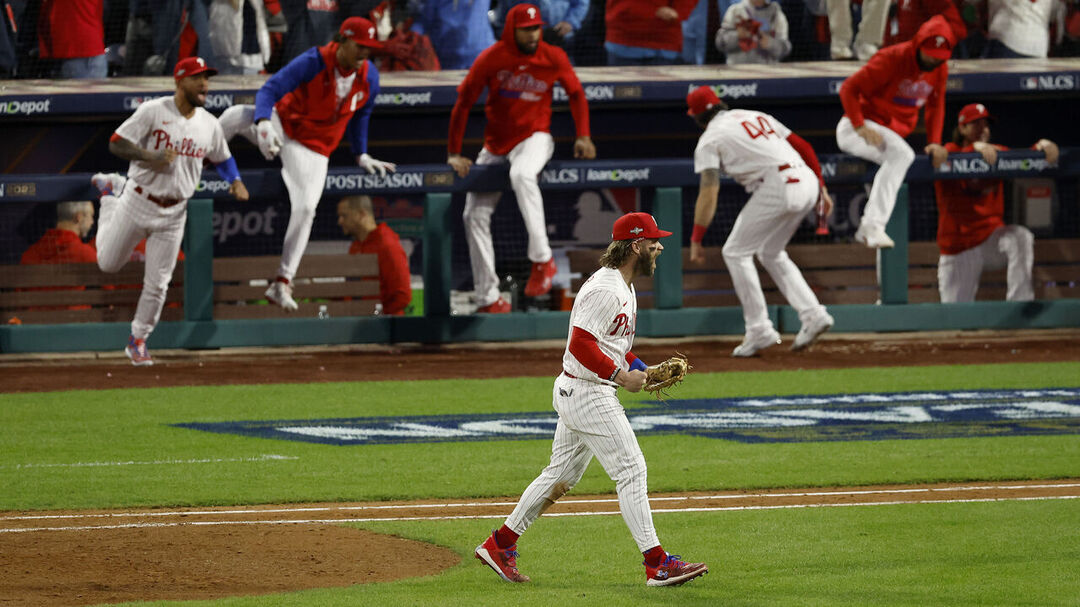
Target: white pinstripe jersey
(158, 124)
(606, 307)
(745, 144)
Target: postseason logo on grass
(832, 417)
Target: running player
(302, 112)
(518, 72)
(781, 173)
(166, 140)
(592, 422)
(972, 234)
(881, 106)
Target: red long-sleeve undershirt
(584, 347)
(805, 150)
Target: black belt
(161, 202)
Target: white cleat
(811, 331)
(280, 293)
(755, 342)
(109, 184)
(873, 236)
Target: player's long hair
(617, 253)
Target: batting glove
(269, 142)
(372, 165)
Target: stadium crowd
(99, 38)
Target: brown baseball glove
(660, 377)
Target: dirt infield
(78, 558)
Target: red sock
(505, 537)
(654, 556)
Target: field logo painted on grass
(834, 417)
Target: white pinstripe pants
(1010, 247)
(895, 157)
(124, 222)
(526, 160)
(304, 172)
(591, 422)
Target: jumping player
(166, 140)
(592, 422)
(972, 234)
(881, 106)
(781, 173)
(302, 112)
(518, 72)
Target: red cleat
(499, 306)
(540, 278)
(673, 572)
(502, 560)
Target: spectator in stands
(64, 243)
(754, 31)
(458, 29)
(238, 36)
(1019, 29)
(562, 19)
(73, 33)
(871, 28)
(645, 32)
(162, 33)
(695, 34)
(881, 107)
(357, 219)
(310, 23)
(972, 234)
(910, 14)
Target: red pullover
(891, 88)
(969, 210)
(634, 23)
(519, 92)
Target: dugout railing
(661, 180)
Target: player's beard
(645, 265)
(195, 99)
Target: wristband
(638, 365)
(614, 375)
(699, 233)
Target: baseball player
(518, 72)
(592, 422)
(972, 234)
(781, 173)
(302, 112)
(881, 106)
(166, 140)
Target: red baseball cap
(701, 100)
(636, 225)
(937, 47)
(972, 112)
(191, 66)
(527, 15)
(360, 31)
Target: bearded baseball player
(302, 112)
(972, 235)
(166, 140)
(518, 72)
(781, 173)
(881, 107)
(592, 422)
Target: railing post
(437, 255)
(199, 260)
(893, 263)
(667, 209)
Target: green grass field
(1004, 553)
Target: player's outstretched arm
(584, 148)
(704, 210)
(459, 163)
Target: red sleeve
(684, 8)
(395, 290)
(866, 81)
(579, 107)
(585, 349)
(805, 150)
(468, 92)
(630, 358)
(935, 107)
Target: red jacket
(891, 88)
(395, 286)
(310, 114)
(59, 246)
(910, 14)
(519, 92)
(969, 210)
(634, 23)
(69, 29)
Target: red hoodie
(519, 91)
(891, 88)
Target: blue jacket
(458, 29)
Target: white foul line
(261, 458)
